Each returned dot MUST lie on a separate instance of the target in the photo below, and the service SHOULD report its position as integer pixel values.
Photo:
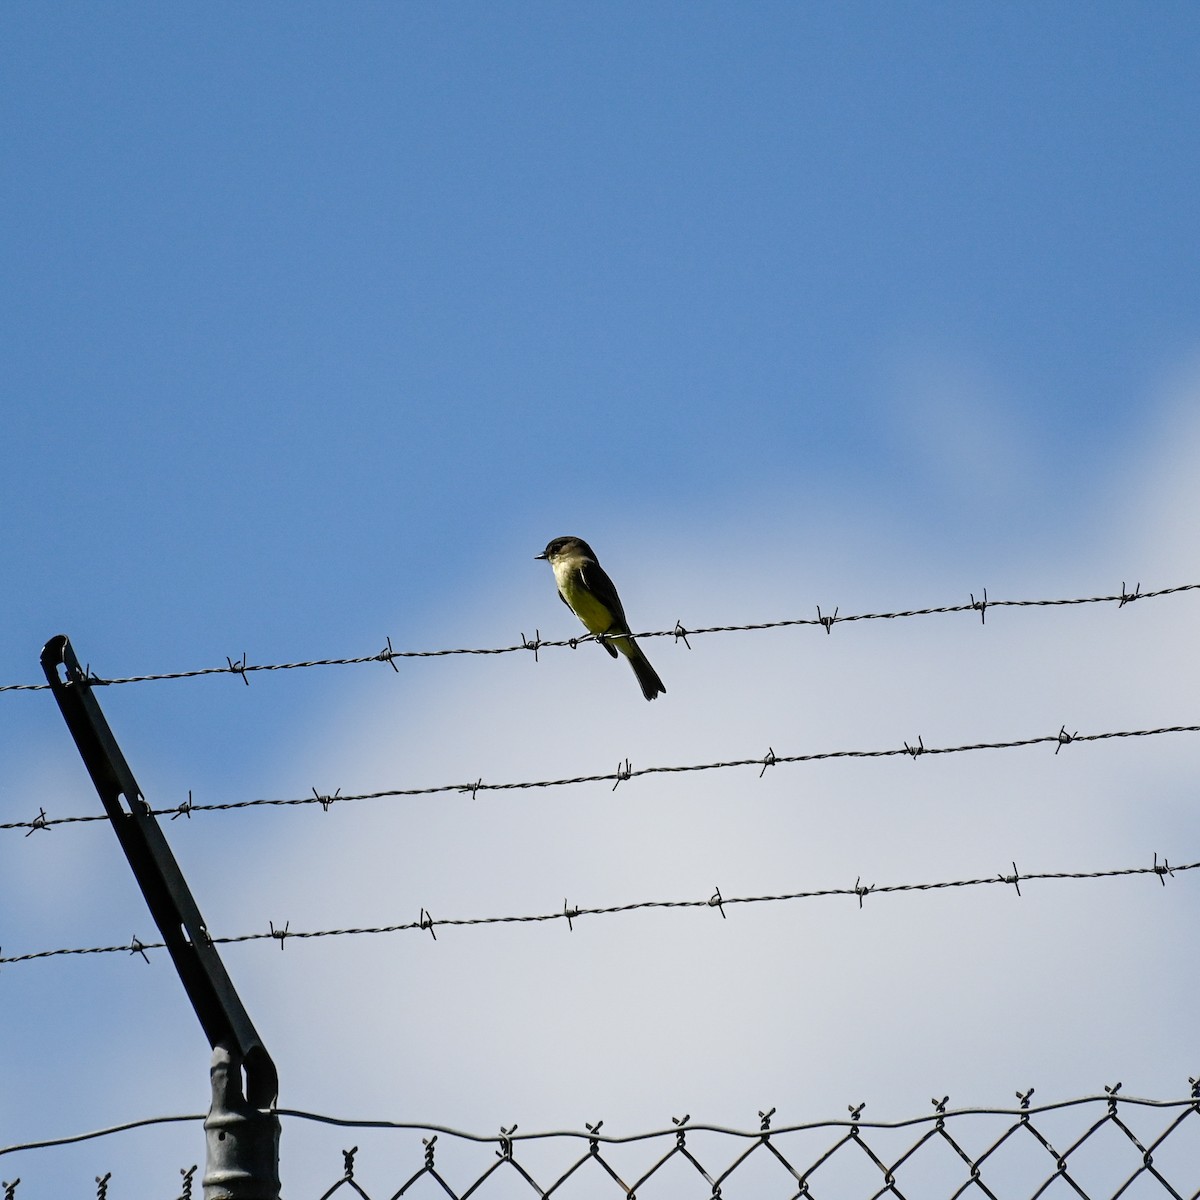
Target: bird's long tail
(647, 676)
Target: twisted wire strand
(244, 669)
(621, 775)
(571, 913)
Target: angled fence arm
(239, 1128)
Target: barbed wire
(625, 772)
(243, 668)
(592, 1132)
(571, 913)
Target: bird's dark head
(566, 547)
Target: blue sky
(320, 321)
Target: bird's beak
(542, 555)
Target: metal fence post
(242, 1128)
(242, 1153)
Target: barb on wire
(243, 668)
(38, 822)
(431, 924)
(624, 771)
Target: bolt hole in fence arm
(242, 1129)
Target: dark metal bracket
(237, 1048)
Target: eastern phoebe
(589, 593)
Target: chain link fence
(1098, 1146)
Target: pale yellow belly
(585, 606)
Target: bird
(585, 588)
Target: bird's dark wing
(598, 582)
